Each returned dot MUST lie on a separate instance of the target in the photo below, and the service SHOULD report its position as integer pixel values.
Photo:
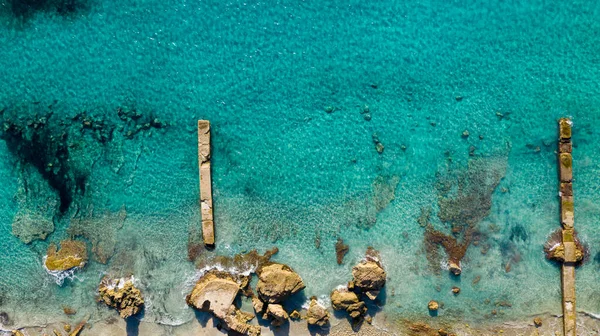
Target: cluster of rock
(122, 295)
(368, 279)
(216, 291)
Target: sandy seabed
(551, 326)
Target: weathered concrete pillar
(565, 167)
(206, 207)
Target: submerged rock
(317, 314)
(122, 295)
(71, 254)
(343, 299)
(276, 282)
(214, 292)
(369, 276)
(340, 250)
(278, 315)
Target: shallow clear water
(285, 171)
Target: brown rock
(69, 311)
(295, 315)
(258, 305)
(455, 290)
(277, 314)
(340, 250)
(537, 322)
(122, 295)
(67, 327)
(433, 306)
(442, 332)
(276, 282)
(454, 267)
(237, 321)
(342, 299)
(17, 333)
(369, 278)
(317, 314)
(214, 292)
(72, 254)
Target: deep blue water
(286, 172)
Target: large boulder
(214, 292)
(122, 295)
(369, 278)
(317, 314)
(369, 275)
(72, 253)
(278, 315)
(343, 299)
(276, 282)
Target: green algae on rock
(72, 253)
(122, 295)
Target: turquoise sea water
(288, 87)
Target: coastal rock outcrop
(343, 299)
(278, 315)
(72, 253)
(369, 276)
(214, 292)
(316, 314)
(277, 282)
(122, 295)
(454, 267)
(237, 321)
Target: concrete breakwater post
(206, 207)
(565, 162)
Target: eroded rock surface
(317, 314)
(214, 292)
(369, 275)
(277, 282)
(278, 315)
(237, 321)
(122, 295)
(343, 299)
(72, 253)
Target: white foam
(323, 301)
(60, 276)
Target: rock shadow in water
(23, 10)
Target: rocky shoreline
(248, 294)
(382, 326)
